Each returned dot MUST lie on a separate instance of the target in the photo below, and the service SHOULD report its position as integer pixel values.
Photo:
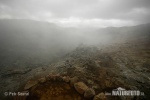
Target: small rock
(89, 93)
(100, 96)
(80, 87)
(73, 81)
(42, 80)
(30, 84)
(90, 82)
(95, 87)
(66, 79)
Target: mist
(47, 48)
(27, 39)
(34, 43)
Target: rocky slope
(85, 73)
(100, 69)
(103, 69)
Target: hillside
(119, 65)
(104, 59)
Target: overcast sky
(78, 13)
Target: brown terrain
(124, 65)
(85, 73)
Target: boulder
(100, 96)
(89, 93)
(80, 87)
(30, 84)
(73, 81)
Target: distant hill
(127, 33)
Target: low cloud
(95, 22)
(77, 13)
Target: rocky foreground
(88, 73)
